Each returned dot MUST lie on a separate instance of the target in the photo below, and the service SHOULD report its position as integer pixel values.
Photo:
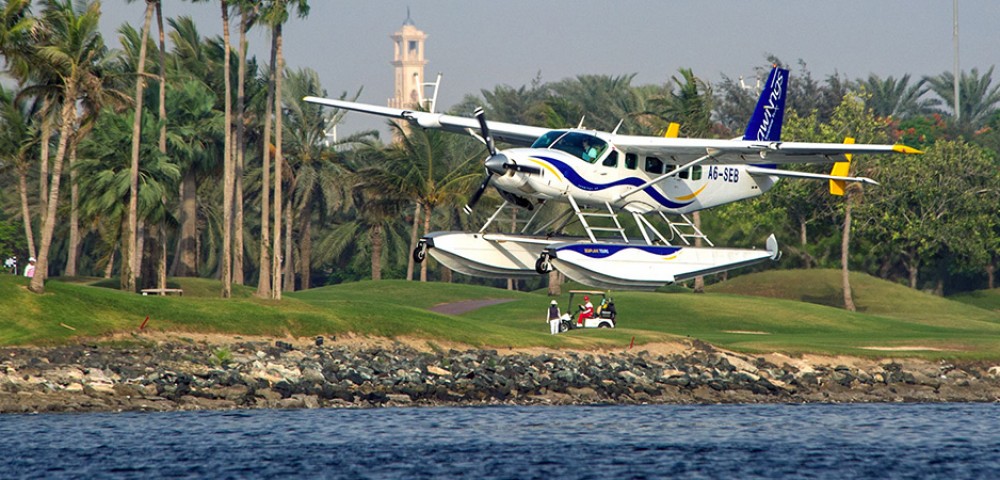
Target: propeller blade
(478, 193)
(484, 130)
(524, 168)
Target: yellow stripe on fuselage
(695, 194)
(548, 167)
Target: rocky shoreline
(172, 374)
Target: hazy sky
(478, 45)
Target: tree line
(199, 160)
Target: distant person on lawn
(29, 271)
(554, 317)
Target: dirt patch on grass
(458, 308)
(913, 348)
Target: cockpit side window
(611, 160)
(546, 140)
(586, 147)
(631, 161)
(654, 165)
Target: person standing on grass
(554, 317)
(29, 271)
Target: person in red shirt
(586, 312)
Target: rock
(435, 370)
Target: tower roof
(409, 20)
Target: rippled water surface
(705, 441)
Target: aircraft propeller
(496, 163)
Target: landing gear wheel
(420, 253)
(542, 265)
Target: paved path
(458, 308)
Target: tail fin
(841, 169)
(765, 124)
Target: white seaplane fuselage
(611, 180)
(602, 177)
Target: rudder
(765, 124)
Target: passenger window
(684, 173)
(612, 160)
(696, 172)
(654, 165)
(631, 161)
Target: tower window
(412, 45)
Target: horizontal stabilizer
(773, 172)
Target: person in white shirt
(29, 271)
(554, 318)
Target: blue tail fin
(765, 125)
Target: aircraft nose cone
(495, 163)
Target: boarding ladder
(685, 229)
(590, 229)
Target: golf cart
(604, 311)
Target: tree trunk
(110, 267)
(264, 282)
(803, 242)
(845, 251)
(289, 270)
(74, 215)
(238, 270)
(413, 240)
(279, 165)
(227, 162)
(555, 283)
(375, 236)
(991, 271)
(511, 285)
(699, 281)
(187, 266)
(43, 165)
(305, 247)
(37, 284)
(22, 187)
(161, 264)
(427, 229)
(129, 254)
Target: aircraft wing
(520, 135)
(680, 151)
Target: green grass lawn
(986, 299)
(786, 311)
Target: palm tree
(73, 53)
(192, 63)
(248, 14)
(978, 97)
(431, 170)
(104, 169)
(129, 255)
(276, 14)
(17, 136)
(890, 97)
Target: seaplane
(600, 177)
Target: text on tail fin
(765, 124)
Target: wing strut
(663, 177)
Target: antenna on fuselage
(580, 126)
(620, 122)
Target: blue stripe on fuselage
(584, 184)
(593, 250)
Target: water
(950, 441)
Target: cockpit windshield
(582, 145)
